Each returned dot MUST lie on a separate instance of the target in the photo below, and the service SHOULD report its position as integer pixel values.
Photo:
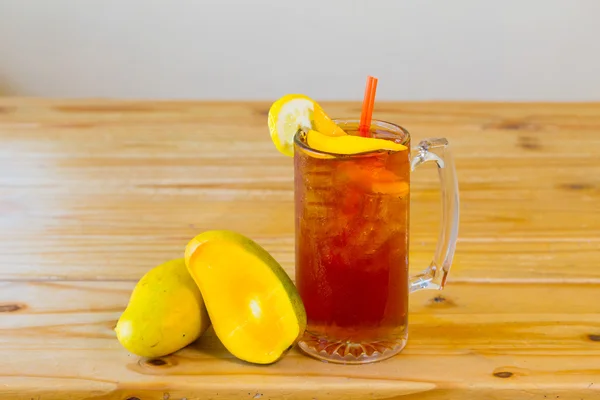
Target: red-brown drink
(352, 215)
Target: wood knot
(503, 374)
(157, 362)
(12, 307)
(512, 125)
(159, 365)
(262, 112)
(593, 337)
(576, 186)
(529, 143)
(440, 301)
(6, 110)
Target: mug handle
(436, 150)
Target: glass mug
(352, 229)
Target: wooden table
(95, 193)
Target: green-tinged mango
(165, 312)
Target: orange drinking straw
(367, 107)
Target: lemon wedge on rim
(294, 112)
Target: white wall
(260, 49)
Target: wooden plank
(73, 257)
(551, 215)
(505, 338)
(184, 376)
(37, 298)
(480, 318)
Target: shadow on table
(207, 355)
(208, 346)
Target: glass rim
(389, 127)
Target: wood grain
(93, 193)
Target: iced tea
(352, 215)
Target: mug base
(345, 352)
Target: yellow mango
(254, 306)
(322, 123)
(347, 144)
(165, 312)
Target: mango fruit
(254, 307)
(349, 144)
(165, 312)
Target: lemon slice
(294, 112)
(349, 144)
